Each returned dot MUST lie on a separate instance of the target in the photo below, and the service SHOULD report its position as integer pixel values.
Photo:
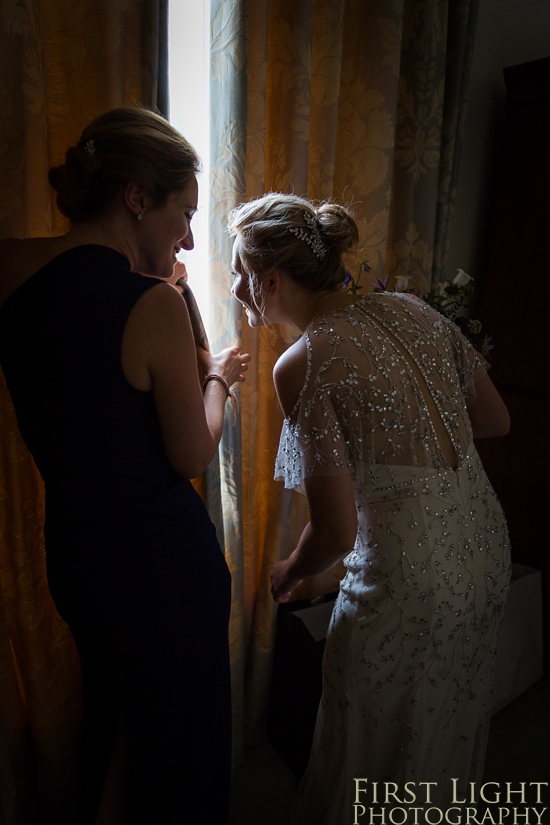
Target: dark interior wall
(508, 32)
(499, 236)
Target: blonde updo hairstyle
(266, 226)
(124, 145)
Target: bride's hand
(230, 363)
(282, 584)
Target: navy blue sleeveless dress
(134, 566)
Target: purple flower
(381, 286)
(365, 266)
(347, 280)
(487, 343)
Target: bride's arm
(329, 536)
(488, 413)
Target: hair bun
(337, 224)
(287, 232)
(125, 145)
(74, 183)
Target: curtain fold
(360, 102)
(61, 64)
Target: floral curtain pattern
(360, 102)
(61, 64)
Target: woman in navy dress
(102, 368)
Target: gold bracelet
(231, 395)
(221, 379)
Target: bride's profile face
(241, 289)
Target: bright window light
(189, 65)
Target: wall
(509, 32)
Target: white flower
(461, 278)
(401, 283)
(442, 287)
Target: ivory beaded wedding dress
(409, 657)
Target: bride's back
(388, 380)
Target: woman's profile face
(241, 288)
(166, 230)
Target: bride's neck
(310, 305)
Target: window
(189, 64)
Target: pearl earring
(140, 216)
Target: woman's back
(95, 438)
(387, 384)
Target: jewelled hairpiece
(89, 146)
(312, 238)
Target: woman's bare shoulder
(289, 374)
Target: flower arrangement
(449, 298)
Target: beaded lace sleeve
(312, 439)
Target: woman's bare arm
(488, 413)
(329, 536)
(158, 354)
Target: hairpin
(89, 146)
(312, 238)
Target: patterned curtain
(61, 64)
(360, 102)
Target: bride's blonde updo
(128, 144)
(287, 232)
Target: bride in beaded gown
(407, 673)
(385, 412)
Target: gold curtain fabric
(61, 64)
(360, 102)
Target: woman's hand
(282, 584)
(230, 363)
